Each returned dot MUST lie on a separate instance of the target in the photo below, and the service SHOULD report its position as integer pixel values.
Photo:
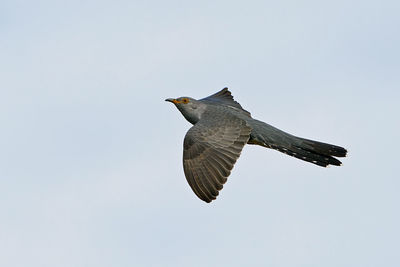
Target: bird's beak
(172, 100)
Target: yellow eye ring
(185, 100)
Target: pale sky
(91, 155)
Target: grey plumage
(221, 129)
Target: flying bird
(221, 128)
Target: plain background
(91, 155)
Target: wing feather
(225, 97)
(211, 148)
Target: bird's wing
(211, 148)
(225, 97)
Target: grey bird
(221, 127)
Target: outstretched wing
(211, 148)
(225, 97)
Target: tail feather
(323, 148)
(309, 156)
(315, 152)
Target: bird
(221, 128)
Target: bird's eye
(185, 100)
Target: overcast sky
(91, 155)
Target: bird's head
(190, 108)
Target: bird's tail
(315, 152)
(318, 153)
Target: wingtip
(207, 200)
(224, 90)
